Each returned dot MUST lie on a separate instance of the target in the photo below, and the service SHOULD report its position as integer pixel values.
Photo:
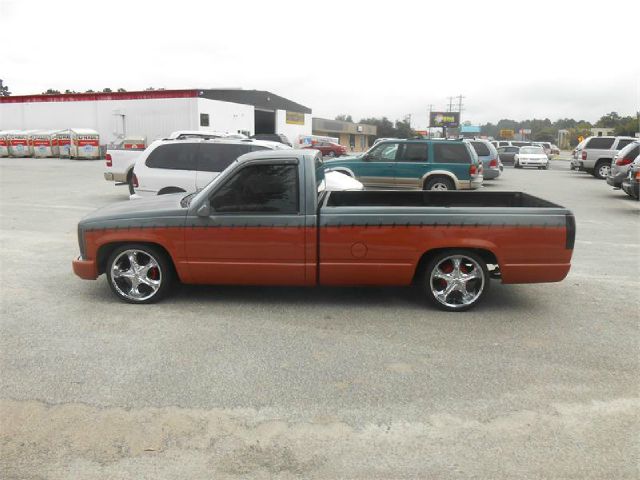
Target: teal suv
(414, 164)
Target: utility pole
(450, 104)
(429, 120)
(460, 105)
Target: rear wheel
(602, 169)
(439, 184)
(456, 280)
(139, 273)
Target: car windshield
(531, 150)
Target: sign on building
(295, 118)
(444, 119)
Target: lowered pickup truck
(268, 220)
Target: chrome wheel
(135, 275)
(457, 281)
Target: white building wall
(226, 117)
(292, 131)
(152, 118)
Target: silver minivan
(621, 163)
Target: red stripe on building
(90, 97)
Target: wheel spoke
(468, 297)
(132, 260)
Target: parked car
(555, 150)
(170, 166)
(533, 156)
(263, 222)
(506, 154)
(488, 155)
(631, 184)
(575, 155)
(597, 153)
(546, 146)
(329, 149)
(120, 159)
(272, 137)
(621, 163)
(415, 164)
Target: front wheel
(456, 280)
(139, 273)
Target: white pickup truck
(120, 160)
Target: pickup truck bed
(442, 240)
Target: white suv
(172, 166)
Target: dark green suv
(414, 164)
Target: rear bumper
(536, 273)
(490, 173)
(85, 269)
(115, 177)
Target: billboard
(444, 119)
(295, 118)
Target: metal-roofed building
(156, 113)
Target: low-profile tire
(439, 184)
(602, 170)
(455, 280)
(139, 273)
(130, 182)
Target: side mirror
(204, 210)
(366, 157)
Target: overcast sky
(514, 60)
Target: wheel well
(603, 160)
(342, 170)
(487, 256)
(167, 190)
(438, 175)
(107, 249)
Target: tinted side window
(415, 152)
(481, 149)
(260, 189)
(633, 152)
(598, 142)
(451, 153)
(216, 157)
(175, 157)
(623, 143)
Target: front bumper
(85, 269)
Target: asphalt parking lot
(539, 381)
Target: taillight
(134, 181)
(473, 170)
(623, 161)
(108, 159)
(638, 175)
(584, 155)
(493, 163)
